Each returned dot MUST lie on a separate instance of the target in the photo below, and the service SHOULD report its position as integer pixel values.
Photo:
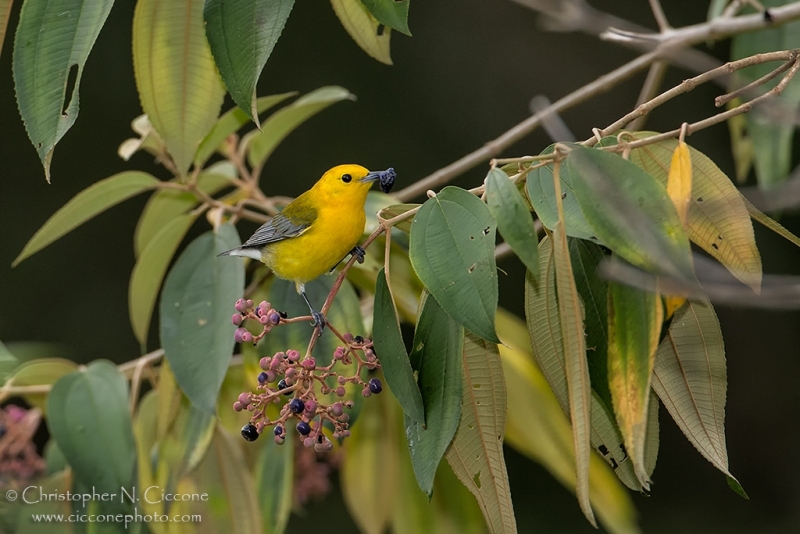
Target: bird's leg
(319, 319)
(359, 253)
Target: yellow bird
(318, 229)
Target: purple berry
(247, 337)
(366, 392)
(280, 440)
(263, 306)
(249, 432)
(244, 398)
(308, 443)
(262, 377)
(264, 362)
(359, 339)
(237, 319)
(340, 391)
(270, 377)
(303, 428)
(238, 336)
(375, 385)
(274, 318)
(309, 364)
(283, 385)
(291, 373)
(249, 303)
(342, 380)
(345, 417)
(336, 409)
(241, 305)
(345, 433)
(278, 430)
(338, 354)
(297, 406)
(348, 337)
(311, 406)
(263, 320)
(237, 406)
(293, 355)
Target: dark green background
(465, 77)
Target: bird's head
(352, 182)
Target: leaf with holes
(364, 28)
(452, 252)
(718, 217)
(196, 331)
(476, 453)
(51, 46)
(179, 87)
(436, 356)
(394, 360)
(242, 35)
(690, 378)
(91, 201)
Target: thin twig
(724, 99)
(649, 90)
(658, 13)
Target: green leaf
(91, 201)
(513, 218)
(770, 223)
(436, 356)
(544, 327)
(690, 378)
(196, 304)
(40, 372)
(538, 428)
(287, 119)
(541, 191)
(634, 324)
(149, 272)
(5, 14)
(476, 453)
(394, 360)
(370, 469)
(52, 43)
(230, 122)
(718, 218)
(274, 484)
(232, 499)
(630, 212)
(391, 13)
(593, 290)
(345, 314)
(7, 362)
(364, 28)
(769, 130)
(178, 83)
(88, 416)
(242, 35)
(579, 389)
(651, 435)
(59, 483)
(398, 209)
(452, 252)
(166, 204)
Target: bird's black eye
(346, 178)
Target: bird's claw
(359, 253)
(319, 320)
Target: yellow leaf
(366, 31)
(679, 181)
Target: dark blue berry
(249, 432)
(358, 339)
(297, 406)
(283, 385)
(375, 385)
(278, 430)
(304, 428)
(262, 378)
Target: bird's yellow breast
(322, 246)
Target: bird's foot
(359, 253)
(319, 320)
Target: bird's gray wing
(276, 229)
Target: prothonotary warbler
(318, 229)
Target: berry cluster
(263, 313)
(19, 461)
(286, 374)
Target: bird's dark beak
(386, 178)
